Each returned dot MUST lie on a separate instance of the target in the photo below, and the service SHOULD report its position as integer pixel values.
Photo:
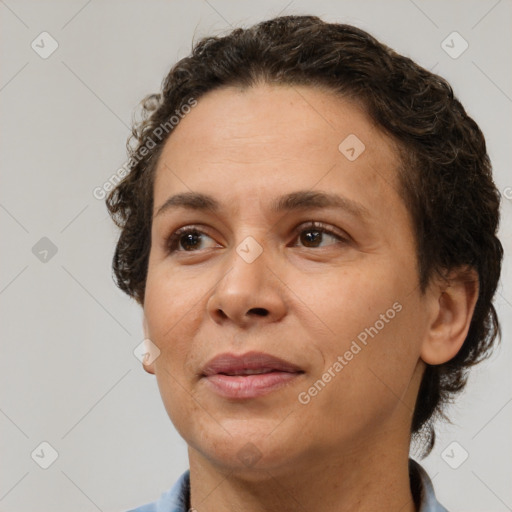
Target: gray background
(68, 373)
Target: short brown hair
(445, 172)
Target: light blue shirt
(177, 498)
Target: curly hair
(445, 173)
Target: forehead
(276, 137)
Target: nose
(248, 293)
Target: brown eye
(315, 236)
(311, 237)
(188, 240)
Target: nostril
(259, 311)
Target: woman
(314, 278)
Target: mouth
(248, 375)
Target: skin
(347, 449)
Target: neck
(368, 478)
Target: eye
(189, 239)
(314, 234)
(310, 235)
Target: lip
(224, 374)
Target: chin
(251, 453)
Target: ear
(453, 298)
(148, 363)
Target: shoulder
(422, 487)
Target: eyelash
(174, 239)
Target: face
(282, 287)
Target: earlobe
(151, 353)
(455, 298)
(150, 349)
(150, 368)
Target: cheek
(169, 298)
(173, 310)
(375, 327)
(352, 299)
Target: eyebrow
(300, 200)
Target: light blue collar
(177, 498)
